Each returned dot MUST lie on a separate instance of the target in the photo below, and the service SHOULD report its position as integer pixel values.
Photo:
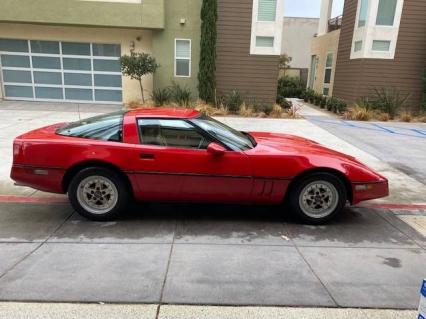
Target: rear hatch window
(106, 127)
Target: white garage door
(60, 71)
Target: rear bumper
(366, 191)
(46, 179)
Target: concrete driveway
(204, 254)
(209, 255)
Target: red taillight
(17, 148)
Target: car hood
(286, 143)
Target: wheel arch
(73, 170)
(332, 171)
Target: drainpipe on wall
(326, 7)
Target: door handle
(147, 156)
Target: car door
(174, 165)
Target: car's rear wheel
(98, 194)
(318, 197)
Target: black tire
(295, 193)
(119, 204)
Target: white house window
(376, 29)
(379, 45)
(265, 42)
(182, 57)
(363, 11)
(386, 12)
(266, 27)
(358, 46)
(267, 10)
(328, 68)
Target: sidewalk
(128, 311)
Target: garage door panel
(108, 95)
(49, 93)
(47, 77)
(106, 65)
(18, 91)
(54, 70)
(11, 45)
(77, 64)
(42, 62)
(112, 50)
(49, 47)
(15, 76)
(74, 48)
(78, 94)
(107, 80)
(16, 61)
(78, 79)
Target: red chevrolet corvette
(167, 154)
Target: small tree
(137, 65)
(207, 66)
(284, 62)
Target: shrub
(323, 102)
(234, 101)
(318, 99)
(245, 110)
(406, 117)
(384, 117)
(336, 105)
(161, 96)
(358, 113)
(284, 103)
(263, 108)
(179, 95)
(289, 87)
(277, 111)
(308, 96)
(293, 112)
(365, 102)
(389, 100)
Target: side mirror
(216, 149)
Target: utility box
(422, 306)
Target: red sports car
(173, 154)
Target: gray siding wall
(254, 76)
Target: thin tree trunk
(143, 97)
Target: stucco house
(68, 50)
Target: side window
(174, 133)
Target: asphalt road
(402, 145)
(209, 255)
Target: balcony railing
(335, 23)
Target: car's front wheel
(98, 194)
(318, 197)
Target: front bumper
(369, 190)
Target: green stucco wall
(148, 14)
(163, 42)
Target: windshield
(106, 127)
(232, 138)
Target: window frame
(195, 127)
(258, 12)
(393, 19)
(180, 58)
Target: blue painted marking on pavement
(372, 127)
(418, 131)
(383, 128)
